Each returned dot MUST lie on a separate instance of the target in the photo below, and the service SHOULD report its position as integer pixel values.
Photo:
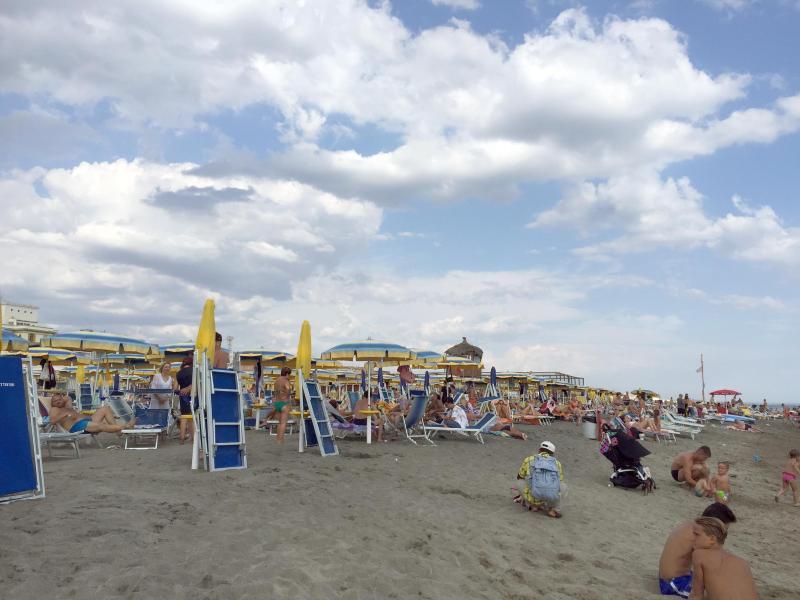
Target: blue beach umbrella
(380, 376)
(427, 382)
(13, 343)
(363, 381)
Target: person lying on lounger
(435, 410)
(675, 564)
(503, 412)
(361, 419)
(62, 413)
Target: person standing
(221, 357)
(184, 385)
(162, 381)
(282, 403)
(47, 378)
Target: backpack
(544, 481)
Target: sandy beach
(389, 520)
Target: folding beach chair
(476, 430)
(413, 423)
(150, 424)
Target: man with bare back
(688, 467)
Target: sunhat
(549, 446)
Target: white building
(23, 320)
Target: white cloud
(110, 237)
(472, 115)
(654, 213)
(729, 5)
(462, 4)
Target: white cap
(549, 446)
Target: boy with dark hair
(675, 565)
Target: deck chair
(413, 423)
(150, 424)
(666, 434)
(476, 430)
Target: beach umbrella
(100, 342)
(363, 381)
(380, 376)
(13, 343)
(493, 380)
(368, 350)
(427, 383)
(55, 355)
(725, 392)
(207, 332)
(304, 354)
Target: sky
(606, 189)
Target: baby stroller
(625, 453)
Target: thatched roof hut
(465, 350)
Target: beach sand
(383, 521)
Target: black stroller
(625, 453)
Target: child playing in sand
(721, 483)
(717, 486)
(789, 476)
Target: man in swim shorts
(675, 565)
(103, 420)
(689, 467)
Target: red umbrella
(726, 393)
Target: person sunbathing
(643, 424)
(675, 564)
(103, 420)
(689, 467)
(715, 570)
(740, 426)
(503, 412)
(529, 413)
(435, 409)
(574, 410)
(361, 419)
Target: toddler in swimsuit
(789, 476)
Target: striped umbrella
(102, 342)
(13, 343)
(368, 350)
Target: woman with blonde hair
(163, 380)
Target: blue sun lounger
(414, 423)
(476, 430)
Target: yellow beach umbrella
(207, 331)
(304, 354)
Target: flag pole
(703, 378)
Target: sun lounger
(50, 439)
(150, 424)
(413, 423)
(476, 430)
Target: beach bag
(544, 481)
